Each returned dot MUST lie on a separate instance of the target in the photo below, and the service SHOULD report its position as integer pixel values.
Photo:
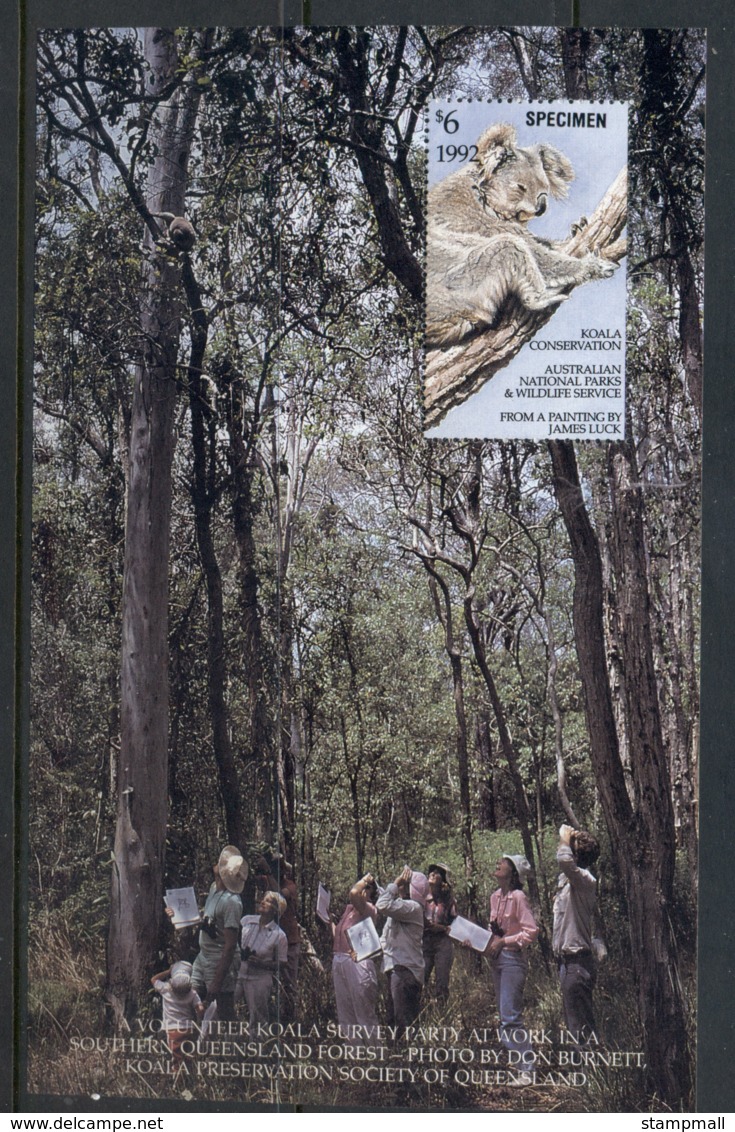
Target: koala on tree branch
(480, 254)
(180, 231)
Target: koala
(180, 232)
(481, 256)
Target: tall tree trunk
(600, 495)
(526, 67)
(507, 747)
(653, 853)
(366, 135)
(551, 674)
(642, 830)
(484, 744)
(674, 640)
(137, 875)
(289, 739)
(663, 108)
(297, 455)
(259, 761)
(574, 49)
(203, 495)
(352, 767)
(443, 605)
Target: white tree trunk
(137, 876)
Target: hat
(519, 862)
(232, 869)
(439, 868)
(419, 887)
(180, 982)
(181, 967)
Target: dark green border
(716, 1011)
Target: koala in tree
(180, 232)
(481, 256)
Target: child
(181, 1006)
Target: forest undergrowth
(71, 1053)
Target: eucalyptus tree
(88, 81)
(637, 800)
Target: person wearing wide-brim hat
(215, 969)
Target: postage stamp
(525, 270)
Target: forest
(266, 611)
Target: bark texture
(203, 498)
(137, 876)
(638, 813)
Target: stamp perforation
(491, 284)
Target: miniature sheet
(327, 582)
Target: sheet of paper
(323, 900)
(183, 904)
(209, 1016)
(464, 930)
(364, 939)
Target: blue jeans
(509, 977)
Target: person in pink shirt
(513, 930)
(355, 982)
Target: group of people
(239, 956)
(419, 909)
